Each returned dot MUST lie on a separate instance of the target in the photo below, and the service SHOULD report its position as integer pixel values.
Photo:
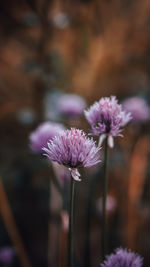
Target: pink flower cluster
(107, 118)
(73, 149)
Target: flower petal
(75, 174)
(110, 141)
(101, 139)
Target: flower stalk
(71, 213)
(104, 197)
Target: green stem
(104, 196)
(70, 243)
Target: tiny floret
(42, 134)
(73, 149)
(123, 258)
(107, 118)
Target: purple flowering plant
(123, 258)
(73, 149)
(107, 118)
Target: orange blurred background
(94, 49)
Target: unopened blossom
(107, 118)
(123, 258)
(138, 108)
(71, 105)
(42, 134)
(73, 149)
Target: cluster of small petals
(123, 258)
(71, 105)
(138, 108)
(107, 117)
(73, 149)
(42, 134)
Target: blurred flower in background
(138, 108)
(71, 105)
(106, 118)
(60, 20)
(61, 106)
(6, 256)
(111, 205)
(42, 134)
(123, 258)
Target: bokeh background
(93, 49)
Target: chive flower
(123, 258)
(71, 105)
(73, 149)
(42, 134)
(107, 118)
(138, 108)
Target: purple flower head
(73, 149)
(106, 118)
(123, 258)
(6, 255)
(138, 108)
(71, 105)
(42, 134)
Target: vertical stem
(53, 185)
(104, 195)
(88, 224)
(49, 226)
(70, 243)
